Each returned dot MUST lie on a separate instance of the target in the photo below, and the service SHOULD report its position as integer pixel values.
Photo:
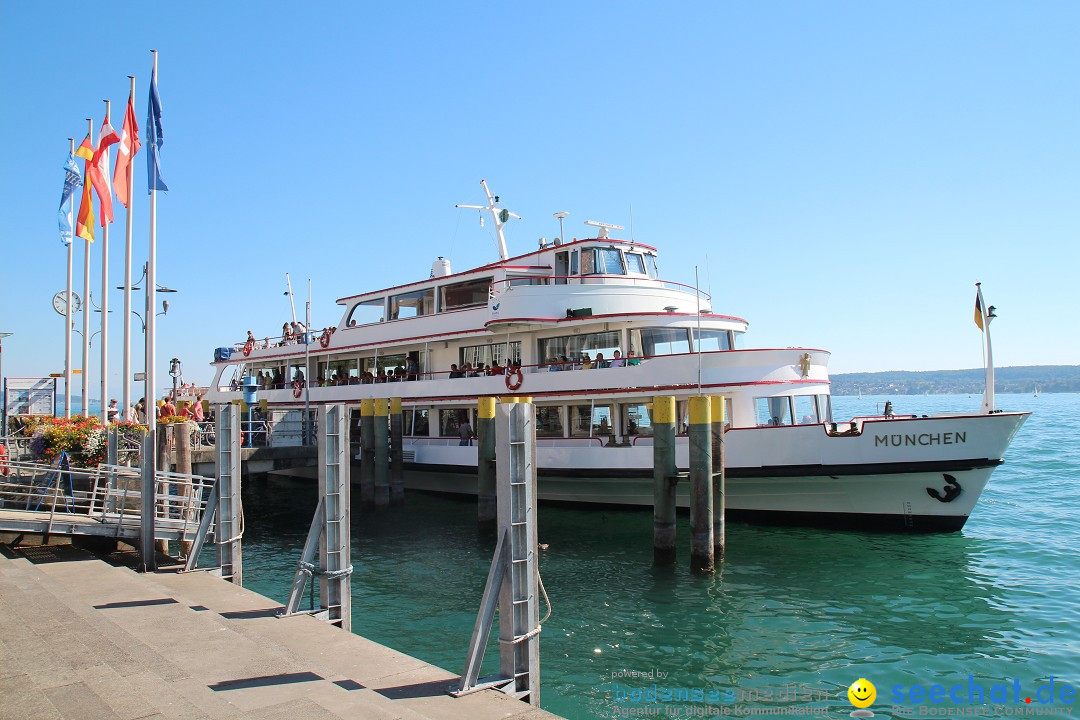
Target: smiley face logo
(862, 693)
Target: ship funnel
(440, 268)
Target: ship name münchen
(942, 438)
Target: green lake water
(792, 618)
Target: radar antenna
(501, 216)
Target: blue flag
(154, 140)
(72, 181)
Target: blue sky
(841, 173)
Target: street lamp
(127, 339)
(164, 311)
(3, 385)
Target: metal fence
(108, 496)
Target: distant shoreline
(1019, 380)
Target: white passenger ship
(550, 324)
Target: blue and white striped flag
(72, 181)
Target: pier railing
(106, 500)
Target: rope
(311, 569)
(539, 626)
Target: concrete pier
(85, 639)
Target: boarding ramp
(106, 501)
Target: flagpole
(987, 315)
(86, 296)
(67, 310)
(292, 305)
(149, 560)
(126, 386)
(104, 408)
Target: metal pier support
(182, 440)
(701, 486)
(331, 527)
(147, 553)
(367, 451)
(397, 455)
(512, 580)
(486, 510)
(382, 453)
(230, 506)
(719, 482)
(664, 479)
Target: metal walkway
(104, 501)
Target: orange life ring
(4, 469)
(514, 378)
(324, 339)
(297, 389)
(248, 347)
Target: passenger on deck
(600, 362)
(616, 361)
(632, 358)
(566, 364)
(412, 370)
(278, 381)
(454, 372)
(286, 334)
(586, 361)
(251, 339)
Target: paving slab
(92, 640)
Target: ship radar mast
(501, 216)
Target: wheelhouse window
(660, 341)
(412, 304)
(711, 340)
(773, 410)
(574, 346)
(635, 263)
(588, 261)
(367, 312)
(650, 263)
(549, 421)
(464, 294)
(609, 261)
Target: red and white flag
(99, 169)
(129, 146)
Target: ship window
(635, 263)
(773, 410)
(526, 281)
(661, 341)
(712, 340)
(574, 262)
(365, 313)
(464, 294)
(590, 420)
(588, 261)
(637, 418)
(488, 355)
(738, 340)
(415, 422)
(650, 263)
(412, 304)
(824, 408)
(549, 421)
(451, 420)
(805, 410)
(572, 346)
(609, 261)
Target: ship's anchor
(952, 490)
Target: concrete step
(194, 645)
